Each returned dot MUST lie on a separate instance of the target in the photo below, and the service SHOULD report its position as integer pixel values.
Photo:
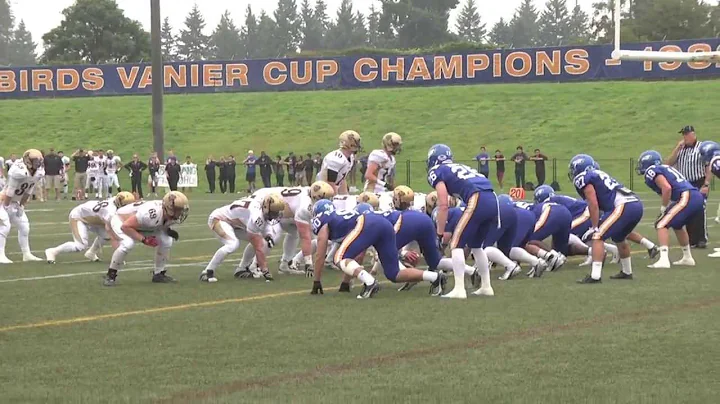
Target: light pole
(157, 81)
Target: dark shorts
(250, 177)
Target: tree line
(97, 31)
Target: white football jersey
(40, 172)
(345, 202)
(2, 165)
(92, 167)
(100, 163)
(385, 201)
(386, 164)
(419, 202)
(336, 161)
(65, 160)
(244, 214)
(299, 204)
(19, 181)
(149, 214)
(112, 164)
(95, 212)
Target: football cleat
(653, 252)
(488, 291)
(267, 275)
(288, 268)
(559, 260)
(208, 275)
(29, 258)
(716, 254)
(243, 274)
(456, 293)
(162, 277)
(407, 286)
(92, 256)
(50, 255)
(622, 275)
(108, 281)
(369, 291)
(509, 274)
(537, 270)
(615, 258)
(588, 261)
(5, 260)
(438, 287)
(588, 280)
(688, 262)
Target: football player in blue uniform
(480, 215)
(542, 229)
(710, 152)
(604, 193)
(503, 236)
(358, 232)
(681, 201)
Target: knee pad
(126, 245)
(80, 246)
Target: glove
(344, 287)
(589, 233)
(309, 271)
(174, 234)
(150, 241)
(269, 241)
(411, 257)
(317, 288)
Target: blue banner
(558, 64)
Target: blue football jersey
(715, 166)
(677, 181)
(339, 222)
(454, 215)
(460, 180)
(392, 216)
(575, 206)
(607, 189)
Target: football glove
(269, 241)
(309, 271)
(174, 234)
(589, 233)
(317, 288)
(411, 258)
(150, 241)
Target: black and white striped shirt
(690, 164)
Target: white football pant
(80, 232)
(162, 251)
(112, 181)
(275, 232)
(229, 237)
(14, 215)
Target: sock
(430, 276)
(496, 256)
(458, 263)
(96, 245)
(481, 263)
(24, 236)
(647, 243)
(118, 258)
(596, 270)
(686, 252)
(218, 258)
(521, 255)
(664, 256)
(446, 264)
(3, 241)
(366, 278)
(612, 249)
(68, 247)
(626, 264)
(161, 257)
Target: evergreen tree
(342, 31)
(7, 21)
(22, 47)
(469, 26)
(321, 16)
(361, 33)
(310, 28)
(169, 41)
(287, 22)
(578, 27)
(225, 42)
(524, 25)
(554, 24)
(268, 46)
(249, 35)
(501, 34)
(374, 27)
(419, 23)
(386, 32)
(193, 43)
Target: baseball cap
(687, 129)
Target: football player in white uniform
(101, 176)
(148, 223)
(64, 173)
(92, 170)
(39, 192)
(381, 163)
(93, 217)
(246, 219)
(337, 164)
(21, 180)
(2, 172)
(113, 164)
(370, 198)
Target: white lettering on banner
(188, 176)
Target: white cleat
(5, 260)
(615, 259)
(716, 254)
(50, 255)
(660, 265)
(717, 219)
(30, 258)
(287, 269)
(587, 262)
(716, 249)
(456, 294)
(92, 256)
(510, 273)
(688, 262)
(484, 292)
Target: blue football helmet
(504, 199)
(322, 206)
(438, 154)
(363, 208)
(596, 165)
(543, 193)
(708, 149)
(579, 164)
(647, 159)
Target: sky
(41, 16)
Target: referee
(686, 158)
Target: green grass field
(66, 338)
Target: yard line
(179, 241)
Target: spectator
(81, 160)
(171, 155)
(53, 171)
(308, 166)
(230, 164)
(265, 163)
(299, 171)
(500, 167)
(186, 171)
(317, 163)
(210, 173)
(279, 168)
(539, 160)
(136, 168)
(291, 161)
(153, 169)
(172, 173)
(483, 162)
(223, 175)
(250, 162)
(519, 158)
(686, 158)
(64, 176)
(363, 164)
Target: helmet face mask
(273, 206)
(322, 206)
(176, 206)
(350, 140)
(392, 143)
(647, 159)
(33, 159)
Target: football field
(65, 337)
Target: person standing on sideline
(210, 173)
(153, 169)
(230, 164)
(290, 161)
(249, 163)
(317, 164)
(222, 166)
(265, 163)
(64, 175)
(686, 158)
(136, 167)
(81, 159)
(172, 173)
(53, 171)
(539, 160)
(279, 168)
(499, 167)
(308, 166)
(299, 171)
(483, 166)
(520, 158)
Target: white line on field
(180, 241)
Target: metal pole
(158, 81)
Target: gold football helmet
(176, 206)
(350, 140)
(33, 159)
(124, 198)
(273, 206)
(370, 198)
(392, 143)
(403, 197)
(430, 202)
(110, 152)
(321, 190)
